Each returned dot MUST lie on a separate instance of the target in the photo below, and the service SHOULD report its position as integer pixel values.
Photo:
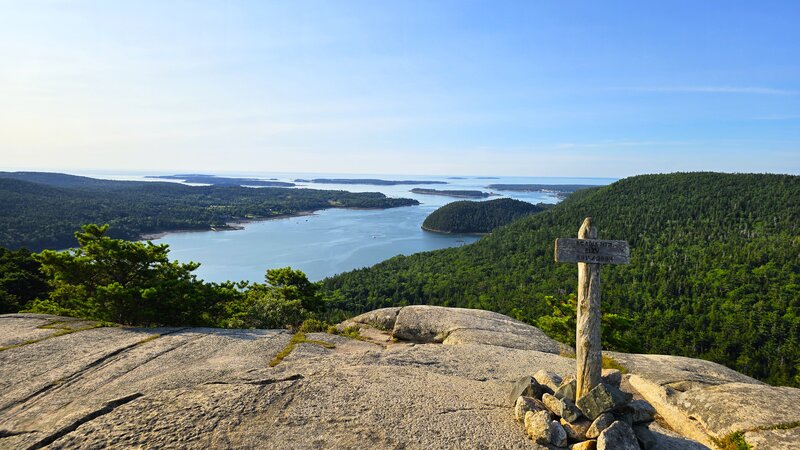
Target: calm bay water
(335, 240)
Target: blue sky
(559, 88)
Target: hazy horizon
(573, 89)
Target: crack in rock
(262, 382)
(9, 433)
(85, 369)
(107, 408)
(455, 410)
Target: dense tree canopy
(135, 283)
(42, 210)
(125, 282)
(20, 280)
(478, 217)
(714, 273)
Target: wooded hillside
(479, 217)
(714, 273)
(43, 210)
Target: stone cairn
(605, 418)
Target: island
(369, 181)
(41, 210)
(469, 217)
(559, 190)
(453, 193)
(214, 180)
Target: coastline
(468, 197)
(240, 224)
(234, 225)
(433, 230)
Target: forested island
(479, 217)
(714, 272)
(560, 190)
(452, 193)
(222, 181)
(43, 210)
(368, 181)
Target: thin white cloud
(609, 144)
(757, 90)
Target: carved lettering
(594, 251)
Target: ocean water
(334, 240)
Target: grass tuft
(733, 441)
(298, 338)
(352, 332)
(611, 363)
(63, 328)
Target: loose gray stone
(561, 407)
(558, 436)
(647, 440)
(525, 386)
(619, 436)
(550, 381)
(602, 398)
(576, 430)
(640, 411)
(624, 417)
(601, 423)
(567, 390)
(611, 377)
(525, 404)
(537, 425)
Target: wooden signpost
(589, 252)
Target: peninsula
(369, 181)
(453, 193)
(560, 190)
(221, 181)
(63, 203)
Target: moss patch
(733, 441)
(298, 338)
(352, 332)
(785, 426)
(608, 362)
(62, 326)
(611, 363)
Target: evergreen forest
(714, 272)
(478, 217)
(42, 210)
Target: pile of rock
(604, 418)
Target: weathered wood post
(589, 252)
